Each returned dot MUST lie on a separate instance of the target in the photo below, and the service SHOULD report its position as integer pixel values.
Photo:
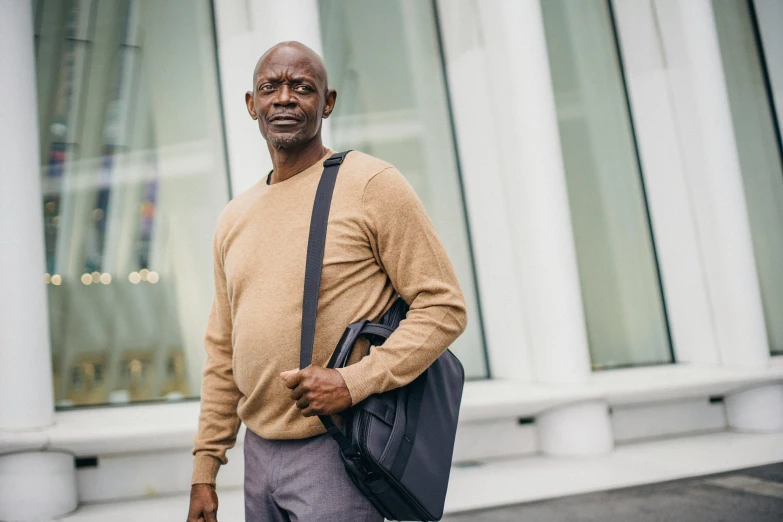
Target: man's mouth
(284, 119)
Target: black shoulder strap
(315, 255)
(316, 243)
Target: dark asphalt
(750, 495)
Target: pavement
(748, 495)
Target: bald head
(290, 96)
(293, 52)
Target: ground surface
(750, 495)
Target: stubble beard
(286, 141)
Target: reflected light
(106, 278)
(96, 276)
(57, 279)
(144, 273)
(47, 278)
(134, 278)
(86, 279)
(136, 367)
(153, 277)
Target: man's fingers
(211, 517)
(302, 403)
(297, 393)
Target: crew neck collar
(299, 175)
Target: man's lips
(284, 119)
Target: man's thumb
(289, 374)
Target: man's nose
(285, 96)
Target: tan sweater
(380, 241)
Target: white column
(535, 190)
(701, 106)
(34, 484)
(479, 148)
(756, 409)
(535, 184)
(666, 181)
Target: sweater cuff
(357, 380)
(205, 469)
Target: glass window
(134, 177)
(384, 60)
(624, 309)
(755, 88)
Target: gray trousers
(300, 481)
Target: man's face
(290, 97)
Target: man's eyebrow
(278, 78)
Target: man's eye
(265, 87)
(303, 88)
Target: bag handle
(373, 332)
(316, 243)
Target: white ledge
(155, 427)
(512, 481)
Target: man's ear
(251, 106)
(331, 99)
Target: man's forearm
(410, 350)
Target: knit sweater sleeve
(218, 420)
(408, 250)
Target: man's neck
(287, 163)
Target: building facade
(606, 175)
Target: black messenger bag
(396, 446)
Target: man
(380, 242)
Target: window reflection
(624, 309)
(383, 58)
(754, 70)
(132, 186)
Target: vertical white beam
(26, 372)
(535, 189)
(479, 152)
(533, 176)
(504, 107)
(669, 197)
(34, 485)
(701, 106)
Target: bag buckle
(334, 160)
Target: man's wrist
(205, 469)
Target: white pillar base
(756, 409)
(576, 430)
(37, 486)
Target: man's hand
(203, 503)
(317, 390)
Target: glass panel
(134, 177)
(624, 309)
(384, 60)
(758, 145)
